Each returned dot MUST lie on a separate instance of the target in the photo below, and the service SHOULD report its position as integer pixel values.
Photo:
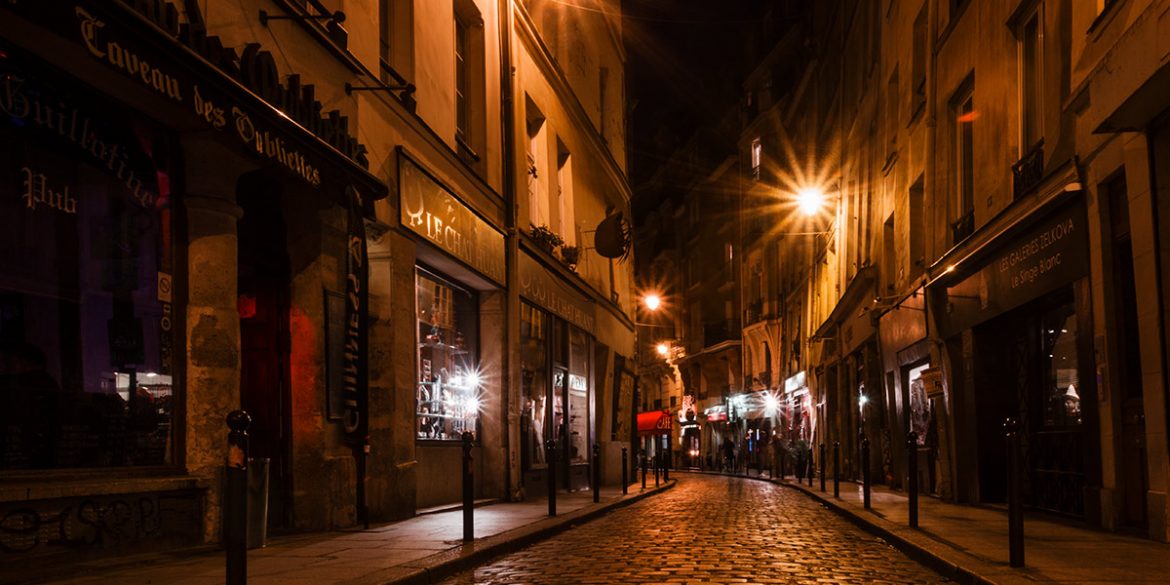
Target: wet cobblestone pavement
(709, 529)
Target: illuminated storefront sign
(432, 211)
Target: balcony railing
(1028, 172)
(720, 331)
(963, 227)
(755, 311)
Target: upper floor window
(964, 115)
(918, 65)
(1031, 36)
(757, 157)
(461, 79)
(396, 44)
(564, 195)
(470, 114)
(385, 23)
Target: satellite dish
(612, 238)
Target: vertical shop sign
(356, 298)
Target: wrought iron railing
(963, 227)
(1028, 172)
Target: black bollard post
(912, 482)
(468, 490)
(836, 469)
(782, 457)
(1015, 495)
(811, 468)
(657, 465)
(550, 447)
(865, 470)
(645, 462)
(235, 499)
(666, 463)
(625, 471)
(596, 473)
(822, 460)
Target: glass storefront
(86, 258)
(534, 385)
(449, 385)
(555, 386)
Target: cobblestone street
(710, 529)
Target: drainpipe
(511, 251)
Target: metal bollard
(865, 470)
(625, 470)
(822, 460)
(666, 467)
(912, 482)
(657, 465)
(644, 463)
(1015, 495)
(836, 469)
(811, 468)
(235, 499)
(550, 447)
(596, 473)
(782, 454)
(468, 490)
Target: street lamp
(663, 349)
(652, 301)
(810, 200)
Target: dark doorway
(264, 336)
(1028, 367)
(1132, 455)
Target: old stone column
(212, 318)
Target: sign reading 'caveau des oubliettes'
(431, 211)
(209, 95)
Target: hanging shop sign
(657, 422)
(1051, 254)
(432, 211)
(716, 413)
(538, 285)
(240, 94)
(354, 386)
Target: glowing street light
(810, 200)
(652, 301)
(663, 349)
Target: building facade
(987, 246)
(339, 223)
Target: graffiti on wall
(98, 522)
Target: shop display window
(86, 257)
(534, 386)
(449, 384)
(578, 396)
(1062, 400)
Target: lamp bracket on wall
(337, 17)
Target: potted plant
(571, 255)
(544, 237)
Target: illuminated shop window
(449, 383)
(86, 258)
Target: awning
(654, 423)
(716, 413)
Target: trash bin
(258, 502)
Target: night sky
(687, 60)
